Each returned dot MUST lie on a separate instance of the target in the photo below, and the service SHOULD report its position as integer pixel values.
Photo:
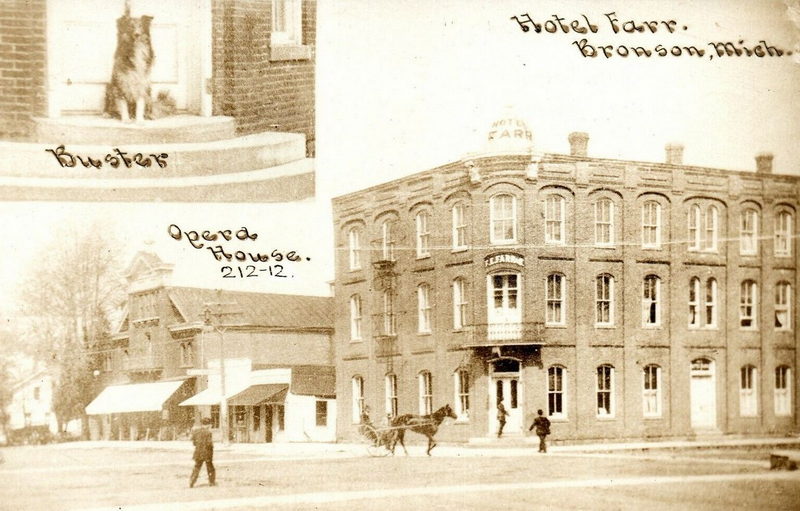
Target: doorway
(702, 394)
(505, 386)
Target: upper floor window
(694, 227)
(462, 386)
(387, 240)
(694, 302)
(605, 391)
(389, 321)
(783, 306)
(424, 308)
(748, 304)
(783, 234)
(556, 392)
(712, 229)
(604, 300)
(391, 394)
(187, 354)
(503, 219)
(459, 303)
(358, 407)
(423, 234)
(354, 247)
(505, 290)
(711, 303)
(287, 22)
(425, 393)
(108, 362)
(748, 397)
(355, 318)
(651, 224)
(459, 226)
(783, 390)
(748, 232)
(555, 291)
(604, 222)
(651, 392)
(651, 296)
(554, 219)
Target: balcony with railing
(386, 345)
(505, 334)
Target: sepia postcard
(466, 254)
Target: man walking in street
(203, 452)
(542, 425)
(501, 416)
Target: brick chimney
(674, 154)
(578, 142)
(764, 163)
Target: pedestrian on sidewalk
(203, 452)
(501, 417)
(542, 425)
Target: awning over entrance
(210, 396)
(260, 394)
(136, 397)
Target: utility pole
(214, 320)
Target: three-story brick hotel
(625, 299)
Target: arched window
(387, 240)
(459, 226)
(354, 248)
(694, 302)
(391, 394)
(604, 300)
(424, 308)
(783, 390)
(783, 306)
(459, 303)
(555, 291)
(358, 398)
(651, 224)
(712, 229)
(711, 303)
(554, 219)
(651, 391)
(783, 234)
(425, 393)
(556, 392)
(355, 318)
(748, 234)
(503, 219)
(748, 394)
(694, 227)
(462, 386)
(605, 391)
(651, 301)
(748, 304)
(604, 222)
(423, 234)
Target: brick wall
(262, 94)
(22, 66)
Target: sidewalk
(523, 448)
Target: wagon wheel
(372, 438)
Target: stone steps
(95, 130)
(283, 183)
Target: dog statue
(129, 90)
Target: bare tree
(68, 302)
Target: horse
(426, 425)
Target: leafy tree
(68, 303)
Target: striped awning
(256, 395)
(136, 397)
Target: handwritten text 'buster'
(198, 239)
(115, 158)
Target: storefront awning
(255, 395)
(136, 397)
(211, 396)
